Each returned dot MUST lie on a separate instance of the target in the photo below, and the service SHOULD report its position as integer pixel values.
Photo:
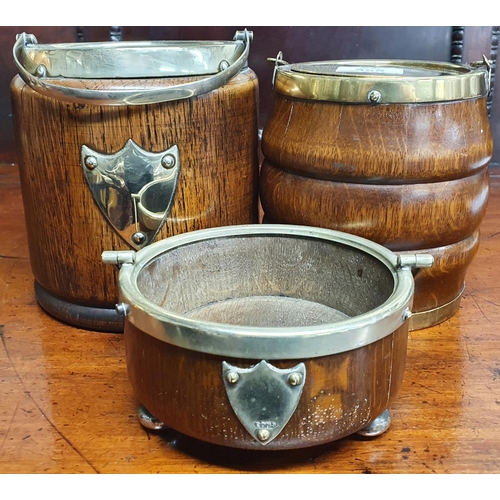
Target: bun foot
(377, 426)
(149, 421)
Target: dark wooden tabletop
(66, 405)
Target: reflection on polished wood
(66, 404)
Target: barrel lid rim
(451, 68)
(382, 81)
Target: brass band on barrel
(425, 319)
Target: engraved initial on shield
(134, 188)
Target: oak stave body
(390, 144)
(325, 306)
(400, 217)
(342, 393)
(408, 176)
(216, 133)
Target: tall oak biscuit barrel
(265, 336)
(124, 143)
(393, 151)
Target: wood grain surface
(67, 406)
(341, 395)
(217, 138)
(443, 281)
(390, 144)
(412, 177)
(400, 217)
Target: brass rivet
(232, 377)
(374, 96)
(138, 238)
(407, 314)
(91, 162)
(168, 161)
(122, 309)
(41, 71)
(295, 379)
(263, 434)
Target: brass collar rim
(381, 81)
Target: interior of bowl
(266, 281)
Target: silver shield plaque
(134, 188)
(264, 397)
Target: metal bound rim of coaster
(267, 342)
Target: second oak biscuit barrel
(393, 151)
